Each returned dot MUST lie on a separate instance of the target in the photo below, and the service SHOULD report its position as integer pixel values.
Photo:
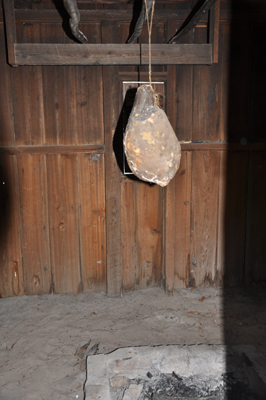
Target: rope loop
(149, 24)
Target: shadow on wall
(5, 217)
(245, 188)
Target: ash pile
(159, 386)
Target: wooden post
(10, 27)
(214, 30)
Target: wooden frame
(109, 54)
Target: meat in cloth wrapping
(152, 149)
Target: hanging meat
(152, 149)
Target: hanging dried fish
(73, 11)
(192, 20)
(152, 149)
(140, 22)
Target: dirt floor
(41, 334)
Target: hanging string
(149, 25)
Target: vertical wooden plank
(232, 218)
(112, 108)
(92, 222)
(182, 222)
(206, 98)
(255, 270)
(205, 179)
(60, 94)
(10, 28)
(128, 235)
(63, 219)
(169, 240)
(179, 90)
(149, 233)
(214, 30)
(7, 137)
(11, 276)
(236, 54)
(27, 91)
(258, 88)
(89, 95)
(89, 105)
(34, 224)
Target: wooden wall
(70, 220)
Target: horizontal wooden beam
(46, 15)
(61, 149)
(97, 15)
(76, 54)
(53, 16)
(111, 54)
(100, 148)
(177, 54)
(223, 146)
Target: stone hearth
(177, 372)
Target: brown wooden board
(205, 180)
(89, 105)
(182, 221)
(236, 54)
(34, 224)
(112, 90)
(92, 222)
(255, 270)
(179, 91)
(128, 235)
(214, 17)
(177, 227)
(258, 115)
(63, 223)
(10, 28)
(27, 93)
(61, 149)
(232, 218)
(169, 238)
(149, 234)
(59, 98)
(128, 54)
(206, 97)
(7, 136)
(89, 94)
(11, 276)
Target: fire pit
(177, 372)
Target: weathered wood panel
(258, 88)
(178, 220)
(89, 105)
(128, 235)
(255, 270)
(11, 276)
(92, 222)
(149, 231)
(236, 80)
(179, 96)
(27, 93)
(182, 221)
(34, 224)
(63, 222)
(112, 107)
(232, 218)
(48, 112)
(205, 174)
(206, 97)
(7, 134)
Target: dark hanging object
(152, 149)
(73, 11)
(193, 18)
(139, 25)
